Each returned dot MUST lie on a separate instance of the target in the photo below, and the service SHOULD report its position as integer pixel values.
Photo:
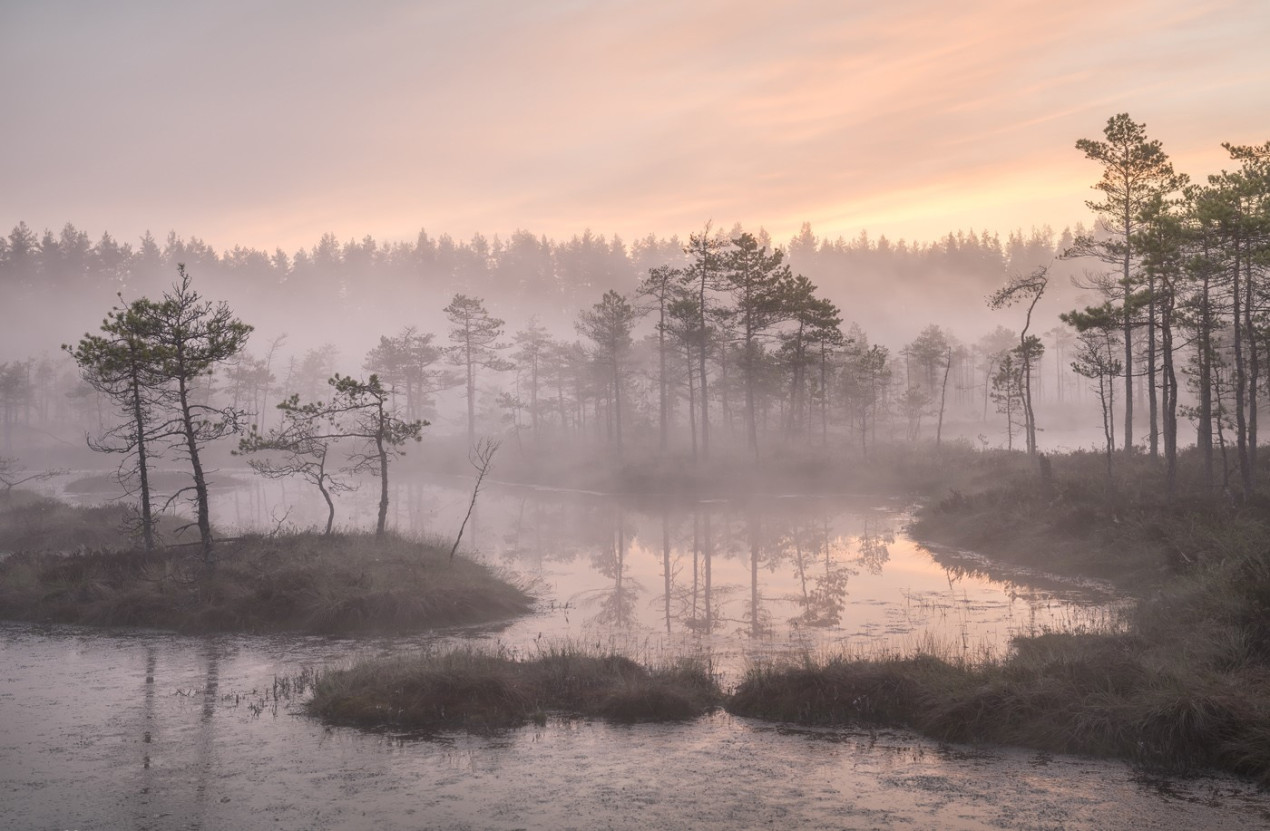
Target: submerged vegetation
(480, 691)
(336, 584)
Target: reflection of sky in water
(737, 580)
(121, 729)
(158, 731)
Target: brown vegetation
(1183, 685)
(1075, 521)
(29, 522)
(481, 691)
(1100, 695)
(67, 566)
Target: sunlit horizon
(267, 127)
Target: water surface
(148, 730)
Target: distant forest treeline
(341, 305)
(726, 328)
(897, 286)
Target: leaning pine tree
(120, 363)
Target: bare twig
(480, 457)
(12, 475)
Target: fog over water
(152, 730)
(677, 315)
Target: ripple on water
(75, 755)
(106, 730)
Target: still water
(123, 729)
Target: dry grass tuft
(479, 691)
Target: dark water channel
(147, 730)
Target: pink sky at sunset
(269, 124)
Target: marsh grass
(30, 522)
(340, 584)
(479, 691)
(1126, 529)
(1098, 695)
(1180, 682)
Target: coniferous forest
(1142, 330)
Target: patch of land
(71, 565)
(466, 689)
(1181, 683)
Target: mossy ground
(67, 566)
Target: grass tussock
(340, 584)
(1098, 695)
(30, 522)
(1187, 685)
(468, 689)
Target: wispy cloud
(270, 124)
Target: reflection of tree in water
(616, 603)
(695, 597)
(670, 570)
(822, 574)
(701, 616)
(554, 530)
(724, 535)
(747, 538)
(873, 543)
(755, 613)
(523, 540)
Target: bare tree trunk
(943, 395)
(1241, 381)
(381, 523)
(1204, 430)
(1128, 334)
(143, 462)
(481, 458)
(1254, 368)
(190, 430)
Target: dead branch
(480, 457)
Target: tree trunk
(1204, 430)
(664, 401)
(200, 483)
(382, 523)
(1254, 367)
(143, 462)
(1241, 381)
(1169, 385)
(943, 395)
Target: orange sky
(270, 124)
